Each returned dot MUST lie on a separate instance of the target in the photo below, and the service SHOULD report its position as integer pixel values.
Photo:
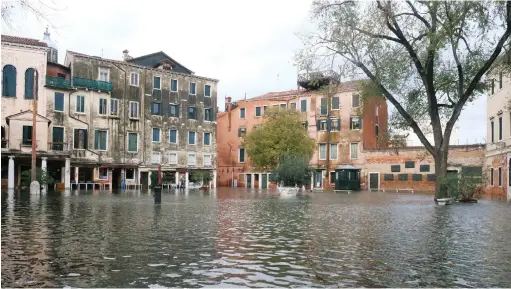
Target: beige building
(498, 147)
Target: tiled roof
(22, 40)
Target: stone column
(10, 181)
(268, 181)
(214, 179)
(44, 168)
(252, 178)
(67, 176)
(260, 181)
(149, 179)
(186, 180)
(138, 177)
(177, 179)
(312, 181)
(77, 170)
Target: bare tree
(38, 8)
(427, 58)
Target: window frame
(194, 159)
(210, 160)
(85, 144)
(159, 76)
(159, 157)
(31, 134)
(499, 177)
(106, 140)
(4, 76)
(160, 110)
(500, 128)
(204, 138)
(159, 135)
(244, 113)
(177, 110)
(210, 114)
(351, 122)
(195, 110)
(194, 138)
(292, 105)
(335, 120)
(244, 155)
(63, 102)
(321, 122)
(209, 90)
(128, 142)
(255, 112)
(492, 177)
(107, 75)
(301, 106)
(76, 104)
(283, 106)
(339, 103)
(177, 84)
(177, 136)
(190, 88)
(138, 79)
(492, 130)
(112, 100)
(265, 108)
(106, 106)
(352, 102)
(351, 156)
(126, 174)
(336, 151)
(319, 151)
(173, 153)
(138, 110)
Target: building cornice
(18, 45)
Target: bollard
(157, 194)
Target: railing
(58, 146)
(92, 84)
(58, 82)
(26, 143)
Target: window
(354, 151)
(293, 105)
(305, 125)
(207, 160)
(29, 83)
(355, 123)
(134, 79)
(173, 158)
(491, 176)
(193, 88)
(104, 74)
(324, 106)
(492, 125)
(431, 177)
(102, 106)
(335, 102)
(80, 103)
(174, 110)
(242, 131)
(333, 151)
(157, 82)
(335, 124)
(100, 140)
(156, 134)
(132, 142)
(258, 111)
(409, 164)
(27, 135)
(500, 80)
(58, 103)
(332, 177)
(424, 168)
(114, 106)
(402, 177)
(265, 107)
(156, 108)
(500, 127)
(303, 105)
(355, 100)
(130, 174)
(57, 139)
(241, 155)
(500, 177)
(242, 112)
(395, 168)
(192, 112)
(207, 90)
(155, 157)
(283, 105)
(322, 151)
(173, 136)
(388, 177)
(61, 75)
(134, 109)
(103, 173)
(207, 138)
(376, 129)
(207, 114)
(417, 177)
(173, 85)
(191, 137)
(191, 159)
(80, 139)
(322, 124)
(9, 81)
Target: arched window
(29, 83)
(9, 81)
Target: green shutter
(9, 81)
(29, 83)
(96, 139)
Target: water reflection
(251, 238)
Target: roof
(347, 167)
(154, 60)
(22, 40)
(59, 65)
(27, 113)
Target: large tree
(427, 58)
(281, 134)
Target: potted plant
(42, 176)
(292, 173)
(464, 188)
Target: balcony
(58, 82)
(92, 84)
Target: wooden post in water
(34, 121)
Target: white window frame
(107, 75)
(76, 105)
(210, 160)
(352, 100)
(204, 137)
(210, 87)
(73, 138)
(106, 145)
(190, 86)
(159, 135)
(128, 142)
(351, 123)
(174, 104)
(117, 101)
(319, 151)
(336, 120)
(194, 159)
(332, 108)
(285, 104)
(325, 121)
(126, 174)
(138, 79)
(239, 155)
(245, 110)
(211, 114)
(306, 105)
(351, 157)
(106, 108)
(63, 105)
(194, 139)
(64, 131)
(260, 111)
(152, 157)
(177, 85)
(159, 76)
(177, 136)
(336, 151)
(173, 153)
(138, 110)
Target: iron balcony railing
(58, 146)
(92, 84)
(58, 82)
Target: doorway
(318, 179)
(249, 180)
(264, 184)
(116, 178)
(144, 180)
(374, 181)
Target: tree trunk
(440, 172)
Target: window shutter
(318, 125)
(76, 138)
(329, 124)
(85, 141)
(360, 122)
(82, 103)
(339, 124)
(96, 139)
(29, 82)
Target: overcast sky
(248, 45)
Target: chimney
(125, 55)
(228, 104)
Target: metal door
(374, 181)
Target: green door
(265, 181)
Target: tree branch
(379, 36)
(416, 14)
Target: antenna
(101, 52)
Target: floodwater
(249, 238)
